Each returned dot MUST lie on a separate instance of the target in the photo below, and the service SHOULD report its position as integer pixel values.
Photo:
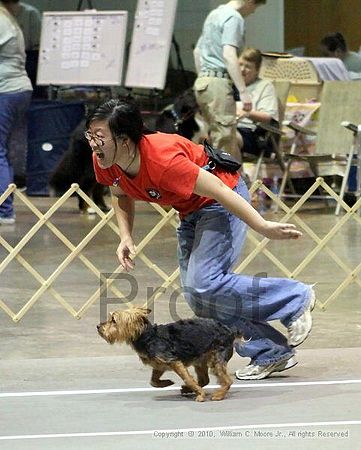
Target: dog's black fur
(76, 166)
(179, 116)
(186, 340)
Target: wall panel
(306, 22)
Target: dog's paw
(104, 208)
(218, 396)
(200, 398)
(186, 390)
(161, 383)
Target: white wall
(264, 29)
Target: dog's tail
(241, 340)
(239, 337)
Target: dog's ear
(114, 317)
(140, 310)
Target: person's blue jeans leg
(210, 242)
(13, 107)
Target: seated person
(334, 45)
(264, 106)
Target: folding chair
(335, 145)
(273, 133)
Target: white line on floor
(173, 388)
(159, 432)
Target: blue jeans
(13, 107)
(209, 244)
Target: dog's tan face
(124, 326)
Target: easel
(91, 91)
(54, 90)
(179, 60)
(80, 4)
(154, 95)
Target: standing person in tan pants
(216, 61)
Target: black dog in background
(180, 117)
(76, 166)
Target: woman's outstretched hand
(277, 230)
(124, 250)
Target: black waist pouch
(220, 159)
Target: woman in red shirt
(215, 211)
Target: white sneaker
(299, 330)
(7, 220)
(255, 372)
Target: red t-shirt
(169, 167)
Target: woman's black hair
(334, 41)
(123, 117)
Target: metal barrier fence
(168, 218)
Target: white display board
(151, 41)
(82, 48)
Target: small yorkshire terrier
(202, 343)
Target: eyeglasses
(98, 140)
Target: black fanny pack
(220, 159)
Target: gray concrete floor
(61, 386)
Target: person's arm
(124, 212)
(208, 185)
(232, 64)
(35, 31)
(197, 59)
(255, 116)
(265, 107)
